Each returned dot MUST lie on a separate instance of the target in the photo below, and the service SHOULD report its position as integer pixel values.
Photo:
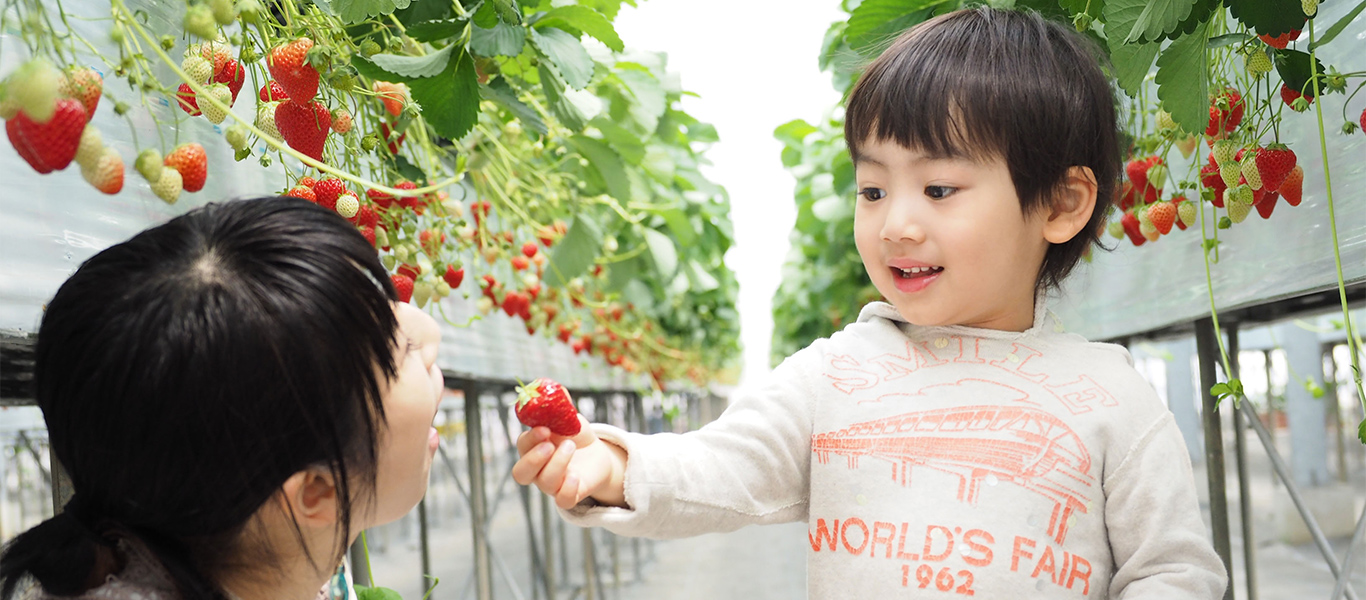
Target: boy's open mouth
(914, 272)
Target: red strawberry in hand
(304, 126)
(545, 402)
(49, 146)
(289, 66)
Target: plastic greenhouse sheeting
(1138, 289)
(54, 222)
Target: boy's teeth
(916, 270)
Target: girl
(235, 394)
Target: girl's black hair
(186, 373)
(980, 83)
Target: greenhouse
(666, 299)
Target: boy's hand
(570, 469)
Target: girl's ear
(311, 497)
(1072, 206)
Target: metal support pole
(638, 424)
(547, 526)
(483, 568)
(424, 542)
(61, 482)
(1244, 495)
(1347, 557)
(590, 567)
(1207, 347)
(360, 574)
(1310, 523)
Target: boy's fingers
(585, 435)
(530, 438)
(551, 477)
(531, 463)
(569, 493)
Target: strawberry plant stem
(1353, 349)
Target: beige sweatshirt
(941, 462)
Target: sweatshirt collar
(1044, 321)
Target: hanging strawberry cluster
(461, 142)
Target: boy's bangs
(948, 112)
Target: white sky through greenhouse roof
(753, 62)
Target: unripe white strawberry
(149, 165)
(197, 69)
(211, 110)
(91, 148)
(265, 119)
(348, 205)
(169, 186)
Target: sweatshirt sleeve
(748, 467)
(1160, 547)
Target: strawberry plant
(1207, 89)
(546, 156)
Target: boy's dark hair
(986, 82)
(186, 373)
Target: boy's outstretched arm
(572, 469)
(1159, 542)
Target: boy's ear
(1072, 206)
(311, 497)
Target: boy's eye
(873, 194)
(938, 192)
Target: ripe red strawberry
(512, 303)
(1292, 187)
(1274, 163)
(185, 97)
(454, 276)
(1210, 177)
(288, 65)
(304, 126)
(546, 234)
(308, 182)
(367, 217)
(369, 234)
(303, 192)
(1131, 227)
(393, 95)
(519, 263)
(381, 199)
(272, 92)
(1289, 95)
(384, 130)
(409, 271)
(233, 75)
(566, 332)
(545, 402)
(86, 85)
(1162, 215)
(1281, 41)
(1267, 204)
(1363, 120)
(327, 192)
(193, 165)
(1226, 113)
(529, 249)
(404, 285)
(49, 146)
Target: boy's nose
(902, 221)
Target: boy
(954, 440)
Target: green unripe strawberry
(1250, 171)
(199, 21)
(35, 87)
(1224, 151)
(211, 110)
(1311, 7)
(1237, 211)
(224, 11)
(198, 69)
(1229, 172)
(1187, 212)
(250, 10)
(1116, 230)
(370, 48)
(149, 165)
(1258, 63)
(237, 137)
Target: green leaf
(638, 293)
(501, 40)
(1049, 9)
(1268, 17)
(793, 132)
(623, 273)
(663, 250)
(408, 170)
(877, 21)
(450, 100)
(355, 11)
(702, 281)
(1220, 390)
(1293, 67)
(623, 141)
(680, 225)
(583, 19)
(569, 113)
(1095, 8)
(1337, 28)
(507, 11)
(575, 252)
(1361, 431)
(565, 52)
(1229, 39)
(1183, 80)
(486, 16)
(1132, 62)
(431, 31)
(832, 209)
(376, 593)
(424, 10)
(608, 8)
(607, 163)
(648, 100)
(1133, 21)
(413, 67)
(501, 93)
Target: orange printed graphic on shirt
(1025, 446)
